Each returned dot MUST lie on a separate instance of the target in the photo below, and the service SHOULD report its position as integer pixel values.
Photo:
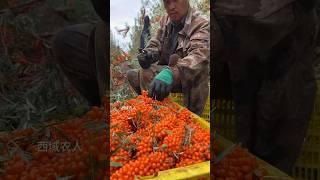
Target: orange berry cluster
(144, 146)
(158, 135)
(49, 162)
(145, 165)
(122, 157)
(238, 165)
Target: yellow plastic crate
(308, 164)
(224, 119)
(192, 172)
(178, 98)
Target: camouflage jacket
(192, 68)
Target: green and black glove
(161, 85)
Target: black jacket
(101, 8)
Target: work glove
(161, 85)
(146, 58)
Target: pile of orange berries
(146, 136)
(144, 165)
(84, 147)
(158, 135)
(238, 165)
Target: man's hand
(161, 86)
(146, 58)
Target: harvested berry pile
(239, 164)
(75, 149)
(148, 136)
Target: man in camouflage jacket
(176, 59)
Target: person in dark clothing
(145, 35)
(266, 47)
(80, 50)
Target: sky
(122, 12)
